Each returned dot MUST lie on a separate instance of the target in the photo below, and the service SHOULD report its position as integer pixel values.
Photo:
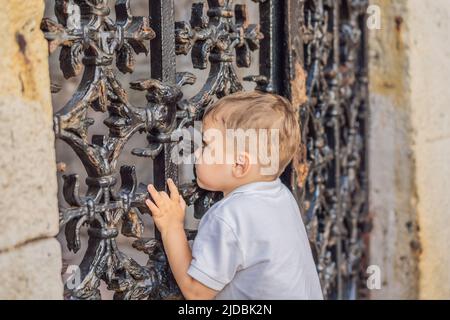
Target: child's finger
(155, 194)
(182, 203)
(164, 196)
(153, 208)
(174, 194)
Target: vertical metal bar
(163, 58)
(293, 43)
(293, 57)
(270, 55)
(365, 132)
(163, 68)
(337, 149)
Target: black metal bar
(163, 68)
(335, 113)
(271, 55)
(163, 58)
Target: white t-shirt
(253, 245)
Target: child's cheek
(200, 171)
(203, 176)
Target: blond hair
(260, 110)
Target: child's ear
(242, 165)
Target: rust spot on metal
(299, 97)
(301, 166)
(298, 85)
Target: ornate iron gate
(326, 37)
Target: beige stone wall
(410, 149)
(430, 105)
(30, 258)
(394, 241)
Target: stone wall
(410, 149)
(430, 106)
(394, 239)
(30, 258)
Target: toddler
(252, 244)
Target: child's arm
(168, 214)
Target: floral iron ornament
(92, 44)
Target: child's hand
(167, 212)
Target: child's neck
(247, 181)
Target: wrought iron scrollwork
(334, 118)
(327, 38)
(92, 44)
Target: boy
(252, 244)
